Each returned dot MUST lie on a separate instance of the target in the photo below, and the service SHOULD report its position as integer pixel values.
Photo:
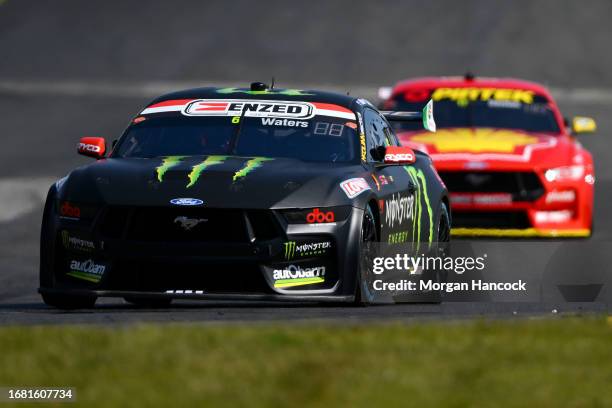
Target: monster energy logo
(288, 92)
(399, 209)
(71, 242)
(289, 250)
(166, 165)
(249, 167)
(306, 249)
(196, 171)
(418, 178)
(66, 238)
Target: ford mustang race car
(505, 153)
(238, 193)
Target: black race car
(238, 193)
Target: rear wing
(426, 116)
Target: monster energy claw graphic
(66, 239)
(249, 167)
(167, 164)
(198, 169)
(421, 177)
(288, 92)
(289, 250)
(418, 178)
(416, 221)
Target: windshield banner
(251, 108)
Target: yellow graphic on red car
(475, 140)
(512, 165)
(483, 94)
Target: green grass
(565, 362)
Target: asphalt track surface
(71, 69)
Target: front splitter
(520, 233)
(199, 296)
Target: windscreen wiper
(236, 137)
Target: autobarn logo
(293, 250)
(399, 209)
(88, 267)
(251, 108)
(297, 272)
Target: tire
(443, 236)
(69, 302)
(45, 273)
(368, 241)
(46, 280)
(148, 302)
(442, 250)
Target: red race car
(506, 154)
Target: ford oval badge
(186, 201)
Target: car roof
(274, 94)
(463, 82)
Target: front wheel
(368, 242)
(442, 250)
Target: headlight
(319, 215)
(60, 183)
(564, 173)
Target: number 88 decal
(325, 128)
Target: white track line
(154, 88)
(19, 196)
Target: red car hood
(488, 148)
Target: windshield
(318, 139)
(517, 111)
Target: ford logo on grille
(186, 201)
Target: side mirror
(378, 153)
(583, 124)
(92, 147)
(399, 155)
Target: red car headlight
(566, 173)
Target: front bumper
(200, 296)
(520, 233)
(519, 204)
(300, 262)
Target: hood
(219, 181)
(489, 147)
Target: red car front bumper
(519, 203)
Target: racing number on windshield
(325, 128)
